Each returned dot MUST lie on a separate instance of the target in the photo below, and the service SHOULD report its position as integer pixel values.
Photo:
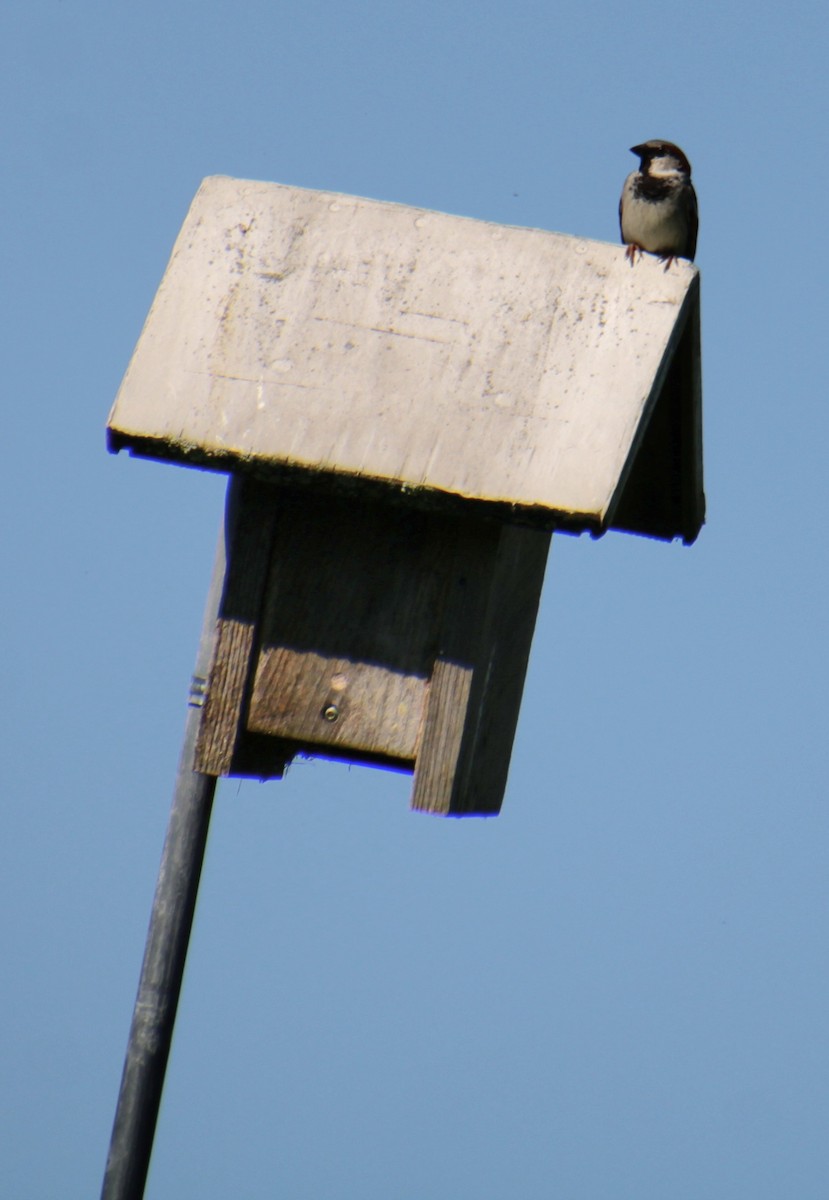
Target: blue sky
(618, 988)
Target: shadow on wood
(374, 633)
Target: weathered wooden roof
(302, 332)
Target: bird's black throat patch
(648, 187)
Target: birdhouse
(408, 404)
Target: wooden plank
(474, 703)
(250, 514)
(687, 377)
(483, 765)
(348, 632)
(662, 492)
(319, 332)
(447, 717)
(325, 700)
(452, 712)
(221, 723)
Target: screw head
(330, 712)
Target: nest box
(408, 404)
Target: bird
(658, 207)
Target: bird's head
(661, 158)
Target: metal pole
(167, 939)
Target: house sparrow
(658, 208)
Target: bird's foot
(630, 252)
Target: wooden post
(167, 941)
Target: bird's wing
(621, 201)
(692, 212)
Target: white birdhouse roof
(303, 332)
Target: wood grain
(373, 633)
(310, 331)
(348, 632)
(477, 683)
(249, 521)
